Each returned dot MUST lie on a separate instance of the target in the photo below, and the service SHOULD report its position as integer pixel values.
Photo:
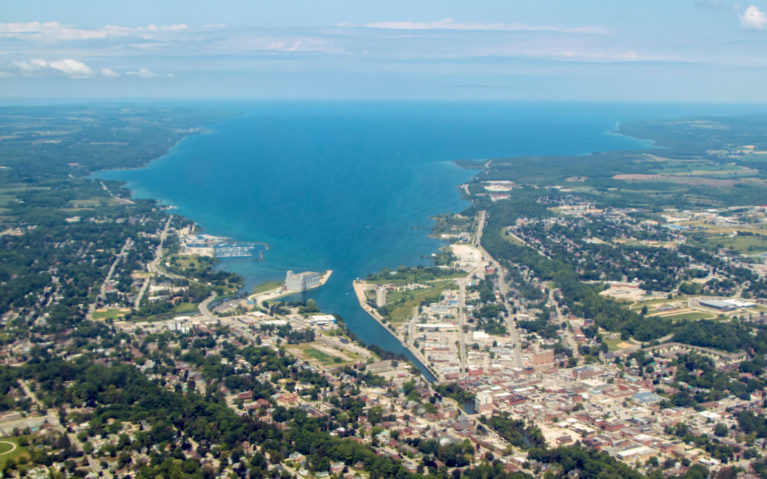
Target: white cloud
(142, 73)
(305, 45)
(47, 31)
(67, 66)
(629, 56)
(146, 74)
(282, 46)
(753, 18)
(109, 73)
(451, 24)
(55, 31)
(143, 32)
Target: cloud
(142, 73)
(67, 66)
(146, 74)
(629, 56)
(47, 30)
(308, 45)
(753, 18)
(109, 73)
(451, 24)
(715, 4)
(143, 32)
(55, 31)
(282, 46)
(72, 68)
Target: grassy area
(741, 244)
(323, 357)
(5, 199)
(649, 303)
(512, 239)
(310, 351)
(8, 194)
(266, 286)
(404, 275)
(616, 343)
(89, 203)
(5, 449)
(185, 308)
(401, 304)
(184, 262)
(691, 316)
(114, 313)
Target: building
(543, 358)
(302, 281)
(726, 304)
(483, 401)
(380, 296)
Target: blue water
(352, 186)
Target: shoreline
(280, 291)
(277, 293)
(360, 286)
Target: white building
(483, 401)
(302, 281)
(380, 296)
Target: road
(411, 333)
(503, 288)
(566, 333)
(154, 266)
(203, 307)
(462, 323)
(122, 201)
(103, 290)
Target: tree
(721, 430)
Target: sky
(528, 50)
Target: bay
(352, 187)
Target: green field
(5, 449)
(266, 286)
(741, 244)
(690, 316)
(184, 262)
(115, 313)
(185, 308)
(323, 357)
(8, 194)
(612, 343)
(403, 302)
